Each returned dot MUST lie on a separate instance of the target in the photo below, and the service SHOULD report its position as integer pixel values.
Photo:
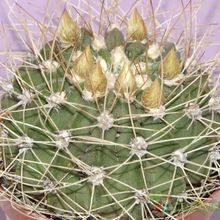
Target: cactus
(110, 126)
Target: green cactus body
(107, 158)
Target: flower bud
(171, 65)
(68, 30)
(136, 27)
(84, 63)
(125, 83)
(152, 97)
(114, 38)
(96, 82)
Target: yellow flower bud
(136, 27)
(152, 97)
(84, 63)
(68, 30)
(171, 66)
(125, 83)
(96, 82)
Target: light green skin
(64, 170)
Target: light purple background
(16, 17)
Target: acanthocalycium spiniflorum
(109, 126)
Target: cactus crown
(111, 126)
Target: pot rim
(35, 215)
(215, 196)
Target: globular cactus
(109, 126)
